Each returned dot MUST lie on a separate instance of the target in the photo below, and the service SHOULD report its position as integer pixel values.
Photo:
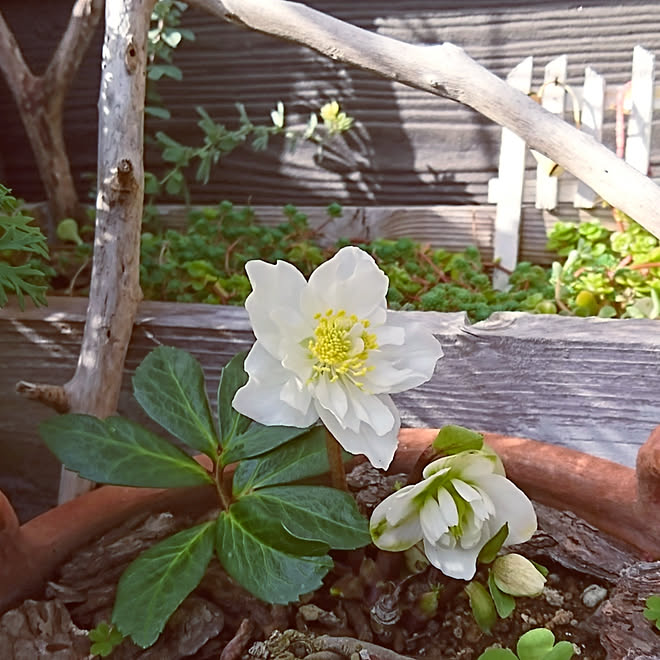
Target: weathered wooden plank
(591, 117)
(511, 178)
(552, 99)
(590, 384)
(411, 148)
(638, 139)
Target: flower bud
(517, 576)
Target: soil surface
(371, 607)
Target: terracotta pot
(618, 500)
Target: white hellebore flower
(459, 506)
(328, 348)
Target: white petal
(448, 507)
(473, 531)
(397, 520)
(416, 356)
(432, 521)
(273, 287)
(261, 398)
(511, 506)
(351, 280)
(379, 449)
(374, 410)
(332, 397)
(465, 490)
(459, 563)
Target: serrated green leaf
(304, 457)
(169, 385)
(310, 512)
(273, 532)
(504, 603)
(453, 439)
(269, 574)
(158, 581)
(230, 421)
(535, 644)
(258, 439)
(118, 451)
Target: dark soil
(370, 608)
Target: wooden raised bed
(587, 384)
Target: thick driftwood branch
(446, 70)
(115, 288)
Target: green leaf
(535, 644)
(104, 638)
(304, 457)
(155, 111)
(310, 512)
(266, 572)
(488, 553)
(169, 385)
(158, 581)
(504, 603)
(118, 451)
(258, 439)
(157, 71)
(452, 439)
(271, 531)
(497, 654)
(483, 608)
(232, 378)
(562, 651)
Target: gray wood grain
(590, 384)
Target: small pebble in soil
(593, 595)
(553, 597)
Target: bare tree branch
(40, 101)
(447, 71)
(73, 45)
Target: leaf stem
(222, 484)
(336, 463)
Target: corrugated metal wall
(408, 148)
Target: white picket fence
(586, 107)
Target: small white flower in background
(461, 503)
(328, 348)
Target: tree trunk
(40, 101)
(115, 288)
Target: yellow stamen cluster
(335, 348)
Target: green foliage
(20, 272)
(158, 581)
(118, 451)
(206, 264)
(481, 603)
(169, 385)
(652, 610)
(535, 644)
(607, 273)
(104, 638)
(272, 536)
(453, 439)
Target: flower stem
(337, 472)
